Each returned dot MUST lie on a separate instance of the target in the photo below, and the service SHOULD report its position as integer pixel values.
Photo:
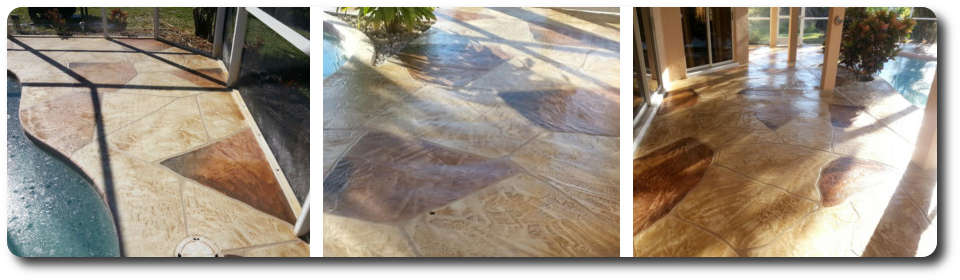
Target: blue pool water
(911, 77)
(53, 210)
(333, 56)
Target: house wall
(668, 35)
(668, 32)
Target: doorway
(707, 36)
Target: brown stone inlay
(567, 110)
(773, 118)
(677, 100)
(236, 167)
(146, 44)
(844, 115)
(115, 73)
(466, 16)
(385, 178)
(846, 176)
(65, 122)
(558, 34)
(210, 73)
(663, 177)
(451, 64)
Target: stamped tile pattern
(236, 167)
(664, 177)
(385, 178)
(480, 139)
(794, 172)
(118, 114)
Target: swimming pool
(54, 211)
(911, 76)
(333, 56)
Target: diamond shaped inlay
(568, 110)
(451, 64)
(111, 73)
(235, 166)
(386, 178)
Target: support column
(774, 25)
(831, 49)
(794, 42)
(925, 151)
(741, 35)
(668, 37)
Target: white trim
(302, 227)
(236, 48)
(294, 38)
(710, 68)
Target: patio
(756, 160)
(170, 148)
(496, 133)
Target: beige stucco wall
(741, 36)
(668, 32)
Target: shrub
(871, 37)
(58, 22)
(393, 19)
(203, 22)
(117, 16)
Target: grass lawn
(139, 19)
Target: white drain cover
(197, 246)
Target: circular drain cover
(197, 247)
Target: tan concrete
(117, 110)
(831, 51)
(795, 172)
(668, 32)
(794, 35)
(925, 155)
(494, 134)
(741, 36)
(774, 25)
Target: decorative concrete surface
(495, 134)
(163, 140)
(754, 161)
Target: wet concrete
(494, 134)
(796, 171)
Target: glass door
(707, 36)
(646, 73)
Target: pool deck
(755, 161)
(172, 151)
(495, 134)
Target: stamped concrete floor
(168, 146)
(494, 134)
(755, 161)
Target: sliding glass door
(707, 36)
(646, 73)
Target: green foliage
(203, 22)
(393, 19)
(871, 37)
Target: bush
(871, 38)
(393, 19)
(203, 19)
